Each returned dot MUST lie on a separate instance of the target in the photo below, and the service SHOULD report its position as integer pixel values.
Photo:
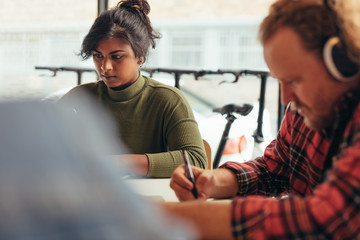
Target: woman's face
(116, 63)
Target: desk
(153, 187)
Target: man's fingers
(204, 183)
(181, 185)
(181, 193)
(179, 178)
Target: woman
(155, 121)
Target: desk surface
(153, 187)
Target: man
(307, 184)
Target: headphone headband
(335, 55)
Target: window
(186, 50)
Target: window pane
(41, 33)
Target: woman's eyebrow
(116, 51)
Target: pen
(189, 172)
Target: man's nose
(287, 95)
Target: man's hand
(182, 186)
(218, 183)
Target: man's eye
(289, 81)
(294, 81)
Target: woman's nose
(106, 65)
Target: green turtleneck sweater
(153, 119)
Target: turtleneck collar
(128, 93)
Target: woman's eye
(97, 55)
(116, 57)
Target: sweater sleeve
(181, 132)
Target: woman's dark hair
(128, 20)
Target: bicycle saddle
(243, 110)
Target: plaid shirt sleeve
(268, 175)
(314, 210)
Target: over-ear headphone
(337, 62)
(336, 59)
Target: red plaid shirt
(319, 204)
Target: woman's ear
(140, 60)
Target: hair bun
(135, 5)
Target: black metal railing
(78, 71)
(263, 75)
(177, 73)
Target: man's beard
(316, 122)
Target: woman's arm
(178, 130)
(138, 164)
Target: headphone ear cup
(339, 65)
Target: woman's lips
(107, 77)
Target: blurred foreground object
(57, 183)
